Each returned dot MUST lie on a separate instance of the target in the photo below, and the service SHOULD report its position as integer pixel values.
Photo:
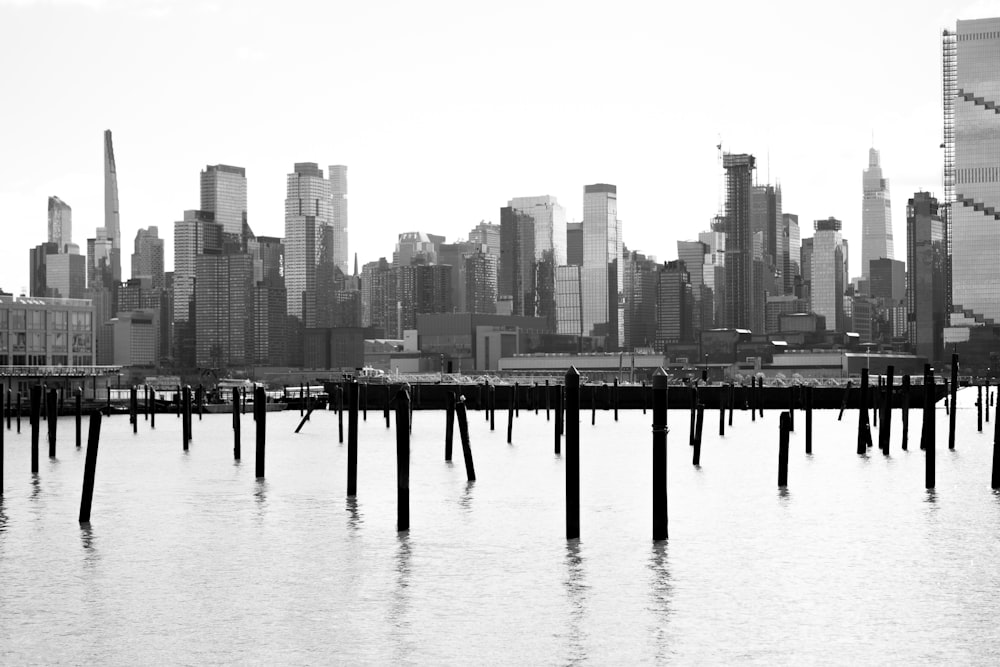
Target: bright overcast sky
(445, 110)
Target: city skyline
(395, 156)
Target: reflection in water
(784, 495)
(3, 518)
(576, 593)
(354, 519)
(260, 497)
(399, 612)
(660, 593)
(90, 553)
(36, 486)
(465, 502)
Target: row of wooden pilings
(567, 418)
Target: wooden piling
(660, 430)
(809, 418)
(19, 412)
(843, 400)
(864, 432)
(885, 429)
(696, 457)
(9, 393)
(463, 432)
(491, 396)
(352, 436)
(517, 400)
(260, 415)
(928, 433)
(954, 405)
(385, 408)
(449, 424)
(572, 454)
(791, 408)
(402, 459)
(53, 400)
(616, 399)
(731, 399)
(979, 408)
(693, 415)
(644, 397)
(995, 477)
(339, 391)
(783, 429)
(90, 466)
(78, 413)
(134, 407)
(236, 424)
(560, 417)
(35, 398)
(905, 411)
(547, 396)
(152, 407)
(510, 413)
(186, 415)
(722, 414)
(593, 405)
(753, 398)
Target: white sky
(445, 110)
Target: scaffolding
(949, 91)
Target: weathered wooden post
(339, 390)
(760, 400)
(906, 410)
(843, 400)
(693, 416)
(385, 409)
(517, 400)
(644, 401)
(572, 453)
(236, 423)
(791, 408)
(364, 401)
(954, 405)
(753, 398)
(90, 466)
(928, 433)
(979, 407)
(995, 477)
(352, 435)
(616, 399)
(593, 405)
(78, 412)
(9, 393)
(260, 415)
(696, 458)
(809, 419)
(783, 430)
(510, 412)
(152, 407)
(660, 430)
(864, 433)
(491, 396)
(463, 432)
(19, 411)
(547, 395)
(36, 407)
(402, 459)
(449, 424)
(722, 413)
(732, 400)
(134, 407)
(145, 402)
(185, 418)
(53, 401)
(557, 431)
(885, 429)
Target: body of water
(191, 560)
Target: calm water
(191, 560)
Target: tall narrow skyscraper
(972, 164)
(876, 215)
(601, 280)
(112, 225)
(829, 278)
(926, 261)
(60, 223)
(338, 197)
(147, 260)
(742, 301)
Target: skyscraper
(338, 195)
(601, 281)
(876, 215)
(224, 193)
(927, 261)
(112, 225)
(192, 235)
(972, 164)
(742, 301)
(791, 250)
(60, 223)
(828, 274)
(147, 260)
(308, 237)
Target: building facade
(829, 279)
(742, 301)
(926, 284)
(601, 273)
(876, 215)
(308, 237)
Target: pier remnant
(572, 453)
(90, 466)
(660, 430)
(402, 459)
(784, 427)
(954, 405)
(463, 432)
(927, 435)
(260, 415)
(353, 401)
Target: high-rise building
(147, 260)
(743, 303)
(224, 193)
(972, 164)
(480, 282)
(549, 225)
(674, 305)
(601, 273)
(338, 199)
(876, 215)
(791, 251)
(887, 280)
(641, 276)
(926, 285)
(574, 243)
(308, 237)
(194, 234)
(379, 298)
(486, 234)
(532, 244)
(569, 300)
(517, 260)
(766, 224)
(805, 264)
(422, 288)
(223, 310)
(38, 258)
(714, 277)
(829, 279)
(112, 224)
(60, 223)
(414, 246)
(455, 255)
(66, 275)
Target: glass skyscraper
(112, 225)
(828, 274)
(224, 193)
(926, 285)
(876, 215)
(742, 300)
(338, 195)
(308, 237)
(601, 283)
(972, 164)
(60, 223)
